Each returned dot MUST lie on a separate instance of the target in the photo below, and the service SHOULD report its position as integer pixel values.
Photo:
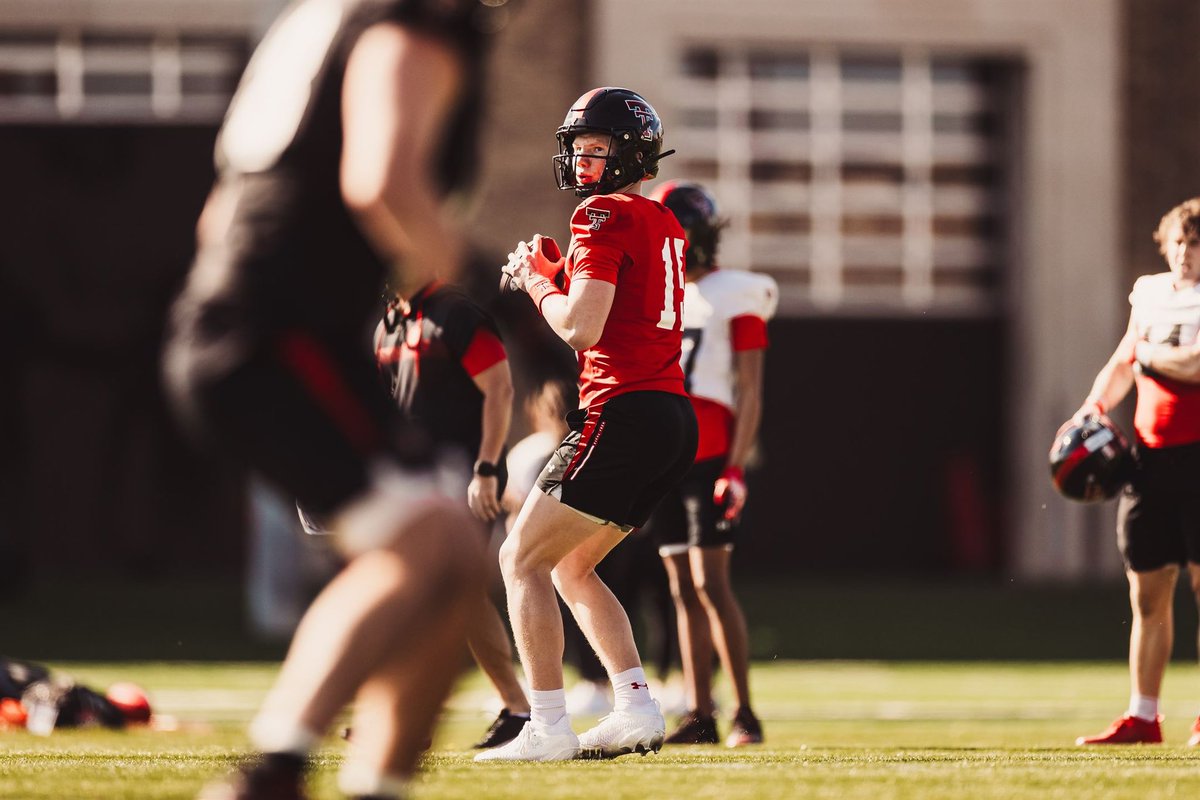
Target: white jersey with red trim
(709, 306)
(1168, 411)
(1163, 314)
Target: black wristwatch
(486, 469)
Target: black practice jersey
(294, 255)
(428, 359)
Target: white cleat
(537, 742)
(631, 730)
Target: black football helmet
(1090, 461)
(637, 137)
(696, 211)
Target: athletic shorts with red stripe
(303, 409)
(620, 459)
(1158, 517)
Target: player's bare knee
(569, 577)
(1149, 606)
(508, 559)
(680, 587)
(713, 590)
(519, 559)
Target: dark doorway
(882, 448)
(97, 235)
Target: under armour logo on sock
(636, 685)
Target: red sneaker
(1195, 740)
(1128, 730)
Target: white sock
(1143, 707)
(276, 734)
(548, 707)
(630, 689)
(359, 780)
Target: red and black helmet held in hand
(1090, 461)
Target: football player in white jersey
(725, 315)
(1158, 517)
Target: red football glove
(538, 256)
(730, 491)
(546, 259)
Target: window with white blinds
(864, 183)
(69, 76)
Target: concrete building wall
(1160, 121)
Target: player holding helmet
(725, 315)
(1158, 524)
(632, 438)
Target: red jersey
(637, 245)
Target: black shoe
(695, 728)
(504, 729)
(273, 776)
(746, 729)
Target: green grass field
(834, 730)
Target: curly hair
(1187, 215)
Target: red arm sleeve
(484, 351)
(748, 332)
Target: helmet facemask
(622, 166)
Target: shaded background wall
(899, 466)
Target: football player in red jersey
(633, 437)
(354, 120)
(725, 339)
(1158, 521)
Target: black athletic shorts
(618, 460)
(304, 410)
(688, 517)
(1158, 516)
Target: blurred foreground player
(1158, 521)
(725, 315)
(352, 123)
(632, 438)
(442, 360)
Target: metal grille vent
(865, 184)
(76, 77)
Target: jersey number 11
(672, 254)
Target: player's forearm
(556, 311)
(1177, 363)
(747, 407)
(746, 420)
(1112, 383)
(496, 418)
